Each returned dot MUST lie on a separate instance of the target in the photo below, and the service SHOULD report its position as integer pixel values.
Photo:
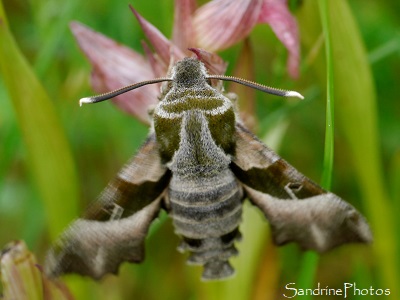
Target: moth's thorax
(176, 113)
(189, 73)
(197, 155)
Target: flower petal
(114, 66)
(276, 13)
(213, 62)
(182, 35)
(157, 65)
(162, 46)
(244, 68)
(222, 23)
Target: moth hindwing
(199, 163)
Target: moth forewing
(199, 163)
(257, 166)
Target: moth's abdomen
(205, 197)
(207, 215)
(208, 208)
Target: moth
(199, 163)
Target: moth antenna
(260, 87)
(112, 94)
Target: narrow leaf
(49, 155)
(356, 118)
(356, 95)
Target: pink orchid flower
(214, 26)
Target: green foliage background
(56, 157)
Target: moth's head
(189, 72)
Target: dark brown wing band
(262, 169)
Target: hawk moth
(199, 163)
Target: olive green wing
(298, 209)
(114, 227)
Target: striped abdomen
(205, 198)
(206, 213)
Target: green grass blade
(49, 156)
(308, 270)
(356, 117)
(356, 97)
(53, 30)
(330, 104)
(385, 50)
(310, 259)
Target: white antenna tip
(85, 100)
(294, 94)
